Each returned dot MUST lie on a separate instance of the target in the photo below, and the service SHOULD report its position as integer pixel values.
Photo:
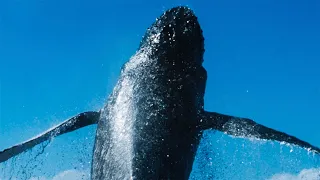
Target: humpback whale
(152, 122)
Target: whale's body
(148, 130)
(152, 123)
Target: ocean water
(59, 58)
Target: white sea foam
(305, 174)
(66, 175)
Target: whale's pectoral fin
(243, 127)
(74, 123)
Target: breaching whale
(152, 123)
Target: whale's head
(176, 37)
(176, 43)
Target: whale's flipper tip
(74, 123)
(247, 128)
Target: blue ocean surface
(59, 58)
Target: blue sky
(59, 58)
